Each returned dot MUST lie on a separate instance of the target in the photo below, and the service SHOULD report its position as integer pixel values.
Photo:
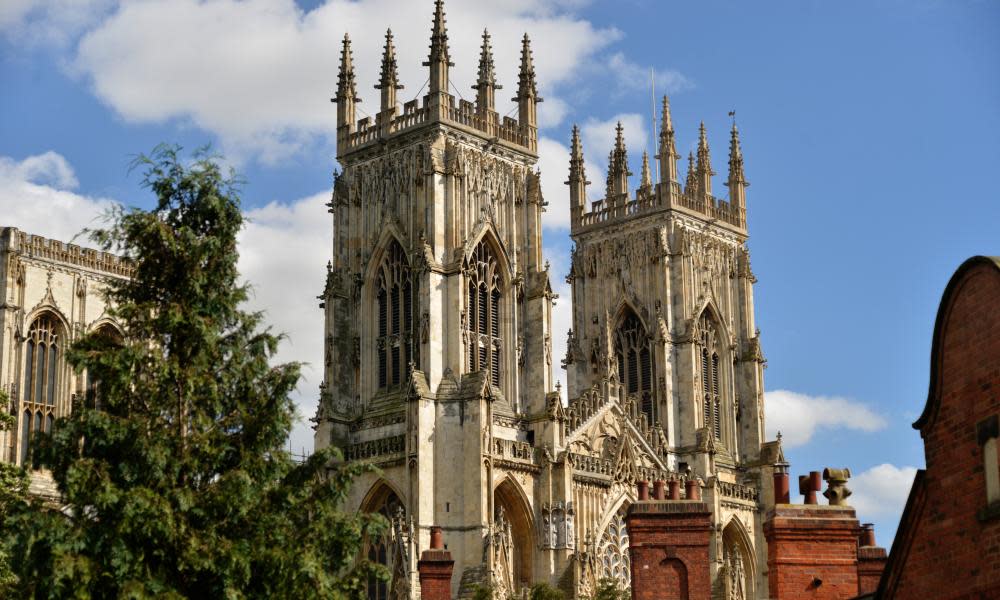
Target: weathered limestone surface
(439, 363)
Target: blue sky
(870, 131)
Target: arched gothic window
(635, 365)
(395, 294)
(711, 397)
(42, 363)
(390, 549)
(613, 552)
(482, 318)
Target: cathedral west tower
(438, 355)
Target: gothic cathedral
(439, 365)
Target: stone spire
(704, 166)
(347, 89)
(736, 174)
(737, 179)
(486, 84)
(618, 172)
(667, 152)
(438, 60)
(647, 177)
(691, 184)
(389, 78)
(577, 181)
(527, 94)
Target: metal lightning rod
(652, 90)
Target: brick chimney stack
(669, 544)
(435, 568)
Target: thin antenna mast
(652, 90)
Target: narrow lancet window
(483, 327)
(634, 362)
(395, 297)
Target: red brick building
(948, 541)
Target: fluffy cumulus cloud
(36, 195)
(798, 416)
(260, 73)
(283, 250)
(881, 491)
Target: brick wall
(948, 545)
(668, 548)
(435, 567)
(812, 552)
(871, 563)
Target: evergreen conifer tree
(172, 472)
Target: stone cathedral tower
(439, 368)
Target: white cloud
(283, 252)
(881, 491)
(798, 416)
(55, 22)
(260, 73)
(630, 77)
(562, 313)
(36, 197)
(553, 162)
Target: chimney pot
(691, 489)
(643, 490)
(658, 489)
(674, 487)
(868, 534)
(437, 540)
(781, 492)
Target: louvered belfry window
(635, 367)
(395, 297)
(712, 399)
(482, 319)
(42, 362)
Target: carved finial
(438, 60)
(666, 122)
(346, 83)
(389, 76)
(486, 83)
(526, 84)
(618, 172)
(439, 36)
(704, 156)
(667, 150)
(577, 181)
(576, 166)
(647, 177)
(347, 90)
(691, 184)
(735, 158)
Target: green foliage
(13, 492)
(483, 591)
(544, 591)
(609, 589)
(178, 485)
